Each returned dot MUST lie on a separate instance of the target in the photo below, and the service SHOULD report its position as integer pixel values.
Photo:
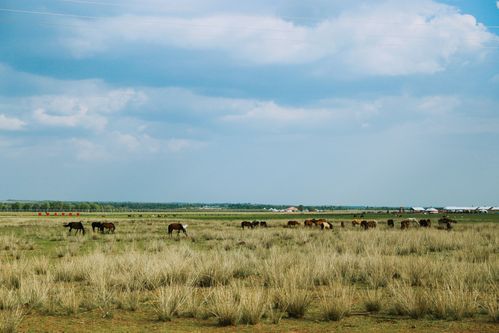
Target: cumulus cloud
(86, 110)
(385, 38)
(10, 123)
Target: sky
(389, 102)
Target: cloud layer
(385, 38)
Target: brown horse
(255, 224)
(178, 227)
(356, 222)
(96, 225)
(78, 226)
(308, 223)
(342, 224)
(425, 223)
(246, 224)
(107, 225)
(390, 223)
(263, 224)
(292, 224)
(405, 224)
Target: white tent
(431, 210)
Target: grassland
(222, 278)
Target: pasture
(220, 277)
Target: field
(222, 278)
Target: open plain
(220, 277)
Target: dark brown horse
(425, 223)
(255, 224)
(390, 223)
(263, 224)
(293, 223)
(107, 225)
(96, 225)
(178, 227)
(246, 224)
(78, 226)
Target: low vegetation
(226, 276)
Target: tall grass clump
(336, 302)
(491, 306)
(454, 302)
(225, 305)
(293, 300)
(373, 300)
(11, 319)
(409, 301)
(169, 300)
(253, 305)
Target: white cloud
(497, 4)
(11, 124)
(87, 110)
(385, 38)
(79, 117)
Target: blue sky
(319, 102)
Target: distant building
(291, 209)
(418, 209)
(431, 210)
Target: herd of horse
(110, 227)
(323, 224)
(443, 223)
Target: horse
(390, 223)
(405, 224)
(177, 226)
(372, 223)
(246, 224)
(444, 220)
(326, 225)
(308, 223)
(319, 221)
(263, 224)
(412, 221)
(255, 224)
(96, 225)
(78, 226)
(425, 223)
(107, 225)
(342, 224)
(293, 224)
(364, 224)
(356, 222)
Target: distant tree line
(76, 206)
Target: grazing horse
(356, 222)
(263, 224)
(326, 225)
(444, 220)
(372, 224)
(405, 224)
(96, 225)
(390, 223)
(308, 223)
(425, 223)
(177, 226)
(413, 221)
(78, 226)
(255, 224)
(246, 224)
(107, 225)
(293, 223)
(342, 224)
(364, 225)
